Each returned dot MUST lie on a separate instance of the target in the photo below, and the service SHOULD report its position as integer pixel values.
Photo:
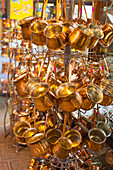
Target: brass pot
(87, 104)
(69, 99)
(25, 26)
(31, 83)
(96, 139)
(55, 37)
(19, 129)
(79, 38)
(107, 88)
(98, 34)
(38, 37)
(94, 93)
(20, 82)
(43, 98)
(52, 136)
(108, 35)
(62, 148)
(39, 145)
(74, 136)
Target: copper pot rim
(52, 25)
(74, 130)
(107, 125)
(28, 130)
(65, 84)
(31, 141)
(100, 131)
(87, 32)
(53, 129)
(26, 20)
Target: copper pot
(20, 82)
(5, 66)
(38, 37)
(25, 26)
(108, 35)
(43, 98)
(69, 99)
(31, 83)
(107, 88)
(6, 23)
(87, 104)
(39, 145)
(79, 38)
(94, 93)
(19, 129)
(74, 136)
(62, 148)
(55, 35)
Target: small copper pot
(38, 37)
(25, 26)
(69, 99)
(55, 35)
(43, 98)
(20, 82)
(79, 38)
(62, 148)
(108, 35)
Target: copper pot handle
(83, 127)
(44, 9)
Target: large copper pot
(43, 98)
(55, 37)
(25, 26)
(79, 38)
(69, 99)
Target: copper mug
(43, 98)
(108, 35)
(69, 99)
(25, 26)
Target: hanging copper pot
(69, 99)
(108, 35)
(25, 26)
(79, 38)
(87, 104)
(43, 98)
(38, 37)
(55, 37)
(20, 82)
(107, 89)
(5, 51)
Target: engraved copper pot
(62, 148)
